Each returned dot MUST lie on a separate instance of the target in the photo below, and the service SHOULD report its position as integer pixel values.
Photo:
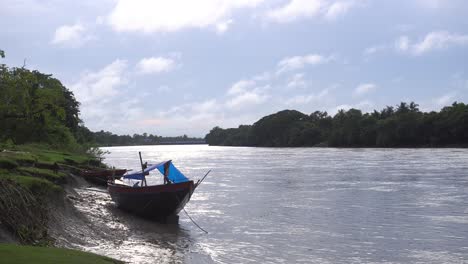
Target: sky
(183, 67)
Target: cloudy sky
(182, 67)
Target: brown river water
(289, 205)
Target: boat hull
(155, 202)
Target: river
(298, 205)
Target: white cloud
(71, 35)
(154, 65)
(296, 9)
(433, 4)
(222, 27)
(338, 9)
(169, 16)
(100, 85)
(296, 81)
(246, 93)
(364, 88)
(247, 98)
(207, 106)
(309, 98)
(299, 9)
(402, 44)
(374, 49)
(445, 99)
(436, 40)
(299, 62)
(240, 87)
(101, 94)
(364, 106)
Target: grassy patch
(19, 156)
(28, 155)
(15, 254)
(37, 186)
(58, 177)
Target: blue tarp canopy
(173, 174)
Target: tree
(33, 108)
(406, 126)
(272, 130)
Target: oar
(200, 181)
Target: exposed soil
(87, 219)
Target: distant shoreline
(302, 147)
(159, 144)
(348, 147)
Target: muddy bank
(7, 237)
(87, 219)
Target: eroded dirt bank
(88, 220)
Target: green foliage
(38, 186)
(230, 137)
(401, 126)
(15, 254)
(274, 130)
(39, 154)
(2, 54)
(34, 107)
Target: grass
(58, 177)
(35, 185)
(15, 254)
(30, 155)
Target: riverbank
(36, 189)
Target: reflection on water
(308, 205)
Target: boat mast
(142, 170)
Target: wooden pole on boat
(113, 174)
(142, 170)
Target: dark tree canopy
(34, 107)
(401, 126)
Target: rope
(193, 221)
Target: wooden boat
(158, 202)
(102, 176)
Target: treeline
(36, 108)
(401, 126)
(104, 138)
